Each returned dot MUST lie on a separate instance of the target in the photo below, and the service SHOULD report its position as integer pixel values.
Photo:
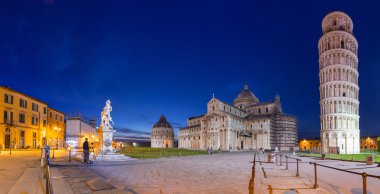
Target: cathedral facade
(247, 124)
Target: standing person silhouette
(86, 151)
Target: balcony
(9, 122)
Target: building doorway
(7, 140)
(22, 139)
(167, 145)
(34, 140)
(242, 144)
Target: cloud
(125, 132)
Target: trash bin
(369, 159)
(271, 157)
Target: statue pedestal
(107, 153)
(106, 139)
(112, 157)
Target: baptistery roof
(162, 123)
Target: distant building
(25, 123)
(370, 143)
(78, 129)
(312, 145)
(162, 134)
(247, 124)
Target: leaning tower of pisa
(339, 91)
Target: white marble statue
(106, 116)
(106, 131)
(106, 136)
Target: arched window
(342, 44)
(344, 94)
(259, 110)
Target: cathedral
(245, 125)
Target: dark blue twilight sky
(154, 57)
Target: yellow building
(313, 145)
(369, 143)
(24, 121)
(56, 128)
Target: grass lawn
(353, 157)
(146, 153)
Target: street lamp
(69, 148)
(304, 144)
(57, 129)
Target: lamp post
(304, 144)
(10, 147)
(69, 148)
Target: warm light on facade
(310, 145)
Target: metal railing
(364, 175)
(297, 159)
(48, 186)
(251, 185)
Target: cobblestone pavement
(341, 182)
(13, 166)
(218, 173)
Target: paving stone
(98, 185)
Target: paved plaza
(13, 166)
(218, 173)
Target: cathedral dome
(245, 98)
(162, 134)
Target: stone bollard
(271, 158)
(369, 159)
